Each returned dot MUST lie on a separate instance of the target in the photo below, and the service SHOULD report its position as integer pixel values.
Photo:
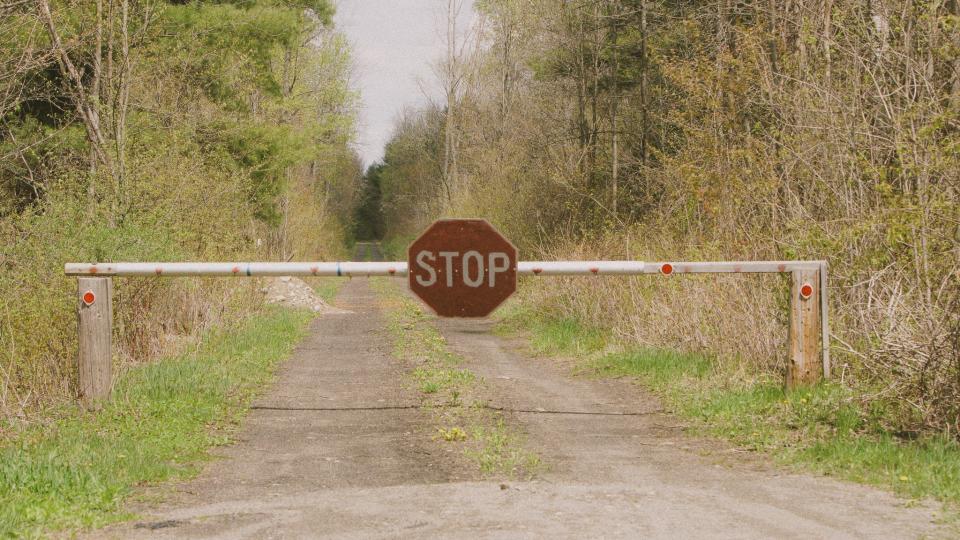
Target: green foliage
(395, 247)
(234, 145)
(369, 221)
(74, 471)
(237, 46)
(266, 152)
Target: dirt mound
(293, 292)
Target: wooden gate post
(96, 324)
(806, 365)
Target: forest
(718, 130)
(160, 130)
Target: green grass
(500, 450)
(565, 336)
(659, 366)
(75, 471)
(819, 428)
(433, 380)
(326, 287)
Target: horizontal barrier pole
(733, 267)
(240, 269)
(580, 268)
(399, 268)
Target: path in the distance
(338, 449)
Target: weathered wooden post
(806, 364)
(96, 324)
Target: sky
(394, 45)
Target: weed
(453, 434)
(499, 449)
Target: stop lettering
(474, 269)
(462, 267)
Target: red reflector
(666, 269)
(89, 298)
(806, 291)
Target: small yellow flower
(904, 478)
(803, 400)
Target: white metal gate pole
(95, 314)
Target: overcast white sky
(394, 45)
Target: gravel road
(338, 448)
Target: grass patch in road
(455, 394)
(818, 428)
(74, 471)
(499, 449)
(433, 380)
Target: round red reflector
(89, 298)
(806, 291)
(666, 269)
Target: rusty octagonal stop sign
(462, 267)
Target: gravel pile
(293, 292)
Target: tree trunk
(614, 101)
(120, 114)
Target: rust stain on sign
(462, 267)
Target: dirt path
(338, 449)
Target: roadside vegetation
(453, 394)
(818, 428)
(751, 130)
(160, 130)
(325, 287)
(75, 469)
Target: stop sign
(462, 267)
